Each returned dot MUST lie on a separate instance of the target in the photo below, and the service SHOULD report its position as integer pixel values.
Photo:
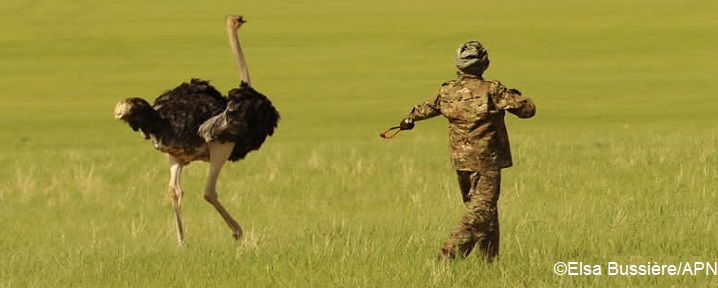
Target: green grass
(620, 163)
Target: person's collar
(470, 76)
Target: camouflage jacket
(475, 109)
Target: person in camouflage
(479, 146)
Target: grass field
(620, 164)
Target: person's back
(475, 109)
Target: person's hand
(406, 124)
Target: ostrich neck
(237, 51)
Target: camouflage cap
(472, 58)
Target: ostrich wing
(247, 121)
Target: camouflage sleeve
(511, 100)
(428, 109)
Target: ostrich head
(235, 21)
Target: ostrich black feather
(182, 120)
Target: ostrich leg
(218, 155)
(176, 194)
(233, 23)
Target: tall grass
(618, 165)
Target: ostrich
(195, 122)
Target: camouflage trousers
(479, 227)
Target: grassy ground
(618, 165)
